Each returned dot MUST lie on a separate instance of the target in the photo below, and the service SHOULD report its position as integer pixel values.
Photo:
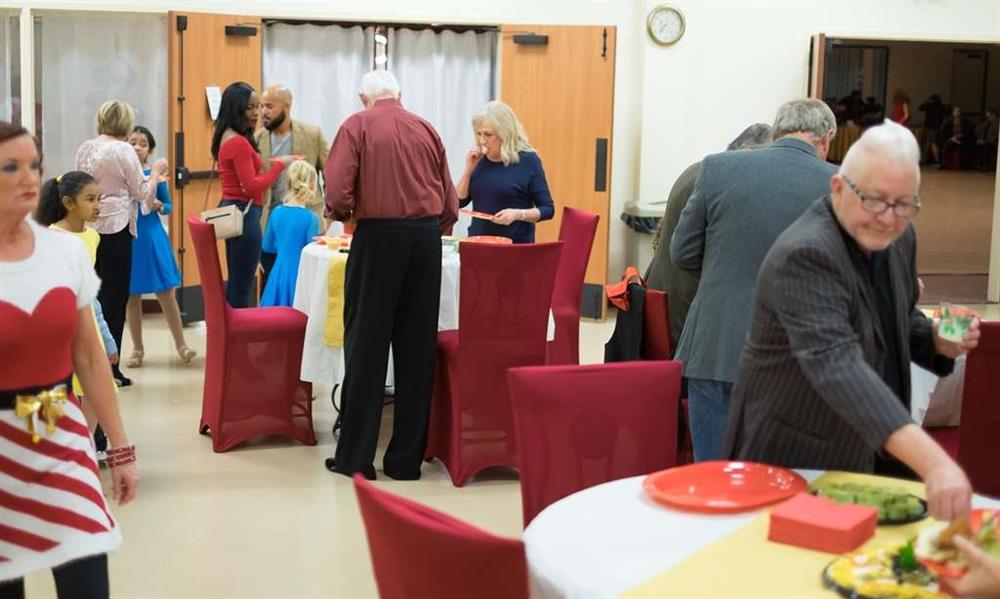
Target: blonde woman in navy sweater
(504, 177)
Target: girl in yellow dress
(66, 204)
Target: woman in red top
(901, 108)
(242, 182)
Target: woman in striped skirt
(53, 513)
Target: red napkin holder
(821, 524)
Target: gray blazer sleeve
(811, 299)
(687, 245)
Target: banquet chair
(503, 311)
(656, 326)
(980, 419)
(252, 362)
(420, 552)
(577, 232)
(579, 426)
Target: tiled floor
(265, 520)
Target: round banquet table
(607, 539)
(322, 363)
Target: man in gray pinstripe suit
(824, 378)
(741, 202)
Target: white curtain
(322, 67)
(87, 60)
(6, 61)
(445, 77)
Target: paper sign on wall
(214, 96)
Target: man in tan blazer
(273, 138)
(824, 379)
(282, 136)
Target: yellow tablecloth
(333, 332)
(746, 564)
(842, 140)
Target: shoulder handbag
(227, 220)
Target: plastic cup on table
(955, 322)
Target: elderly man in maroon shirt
(387, 169)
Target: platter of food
(935, 545)
(876, 573)
(894, 506)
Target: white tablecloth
(936, 401)
(604, 540)
(322, 363)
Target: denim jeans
(243, 256)
(708, 406)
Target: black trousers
(85, 578)
(392, 293)
(114, 267)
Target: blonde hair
(115, 118)
(513, 139)
(301, 179)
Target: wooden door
(204, 50)
(563, 93)
(817, 66)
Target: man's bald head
(275, 107)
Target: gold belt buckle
(44, 405)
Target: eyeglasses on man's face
(902, 208)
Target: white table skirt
(936, 401)
(322, 363)
(607, 539)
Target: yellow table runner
(333, 333)
(746, 564)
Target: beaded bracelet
(120, 456)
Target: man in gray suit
(824, 381)
(741, 203)
(681, 285)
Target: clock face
(666, 25)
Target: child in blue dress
(289, 229)
(154, 269)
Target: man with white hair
(387, 169)
(741, 202)
(824, 380)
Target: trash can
(642, 218)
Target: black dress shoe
(368, 472)
(415, 475)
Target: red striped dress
(52, 507)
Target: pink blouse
(115, 166)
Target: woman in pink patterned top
(113, 163)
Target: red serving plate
(492, 239)
(723, 487)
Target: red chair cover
(504, 298)
(420, 552)
(656, 326)
(947, 438)
(577, 232)
(978, 449)
(252, 362)
(579, 426)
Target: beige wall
(738, 60)
(923, 69)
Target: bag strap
(208, 192)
